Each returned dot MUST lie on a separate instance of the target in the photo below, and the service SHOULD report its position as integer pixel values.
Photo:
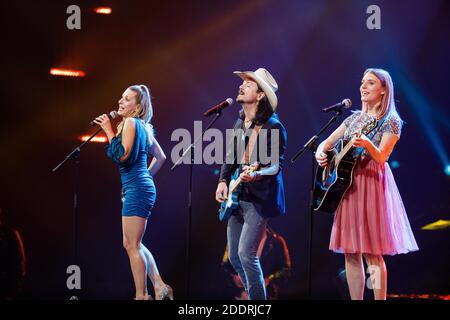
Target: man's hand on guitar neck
(249, 176)
(249, 173)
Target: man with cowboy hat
(262, 191)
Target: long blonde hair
(144, 111)
(387, 107)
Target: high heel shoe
(146, 297)
(166, 293)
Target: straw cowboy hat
(265, 81)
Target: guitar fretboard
(344, 150)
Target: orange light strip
(430, 296)
(103, 10)
(67, 72)
(94, 139)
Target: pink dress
(371, 217)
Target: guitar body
(234, 188)
(333, 180)
(229, 205)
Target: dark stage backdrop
(186, 51)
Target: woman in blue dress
(128, 148)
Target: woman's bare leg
(153, 273)
(378, 275)
(354, 272)
(133, 231)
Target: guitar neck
(238, 181)
(236, 184)
(344, 151)
(368, 128)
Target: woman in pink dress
(371, 220)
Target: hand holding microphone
(111, 115)
(104, 121)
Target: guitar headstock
(369, 126)
(253, 167)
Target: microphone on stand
(219, 107)
(345, 104)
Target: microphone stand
(190, 150)
(75, 155)
(311, 145)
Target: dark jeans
(245, 230)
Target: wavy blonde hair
(144, 111)
(387, 106)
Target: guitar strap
(250, 145)
(359, 151)
(374, 132)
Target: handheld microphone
(219, 107)
(111, 115)
(345, 104)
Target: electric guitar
(234, 188)
(333, 180)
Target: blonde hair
(144, 111)
(387, 107)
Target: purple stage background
(186, 53)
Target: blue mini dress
(137, 183)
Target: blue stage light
(395, 164)
(447, 169)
